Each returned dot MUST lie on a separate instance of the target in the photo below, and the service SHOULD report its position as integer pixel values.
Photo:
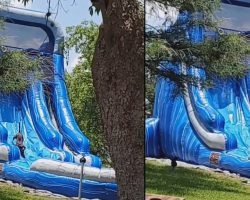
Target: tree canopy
(221, 56)
(17, 70)
(80, 86)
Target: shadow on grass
(187, 182)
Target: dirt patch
(162, 197)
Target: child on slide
(19, 142)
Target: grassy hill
(193, 184)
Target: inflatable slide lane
(54, 144)
(207, 127)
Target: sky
(68, 15)
(158, 17)
(229, 16)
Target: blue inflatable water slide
(54, 143)
(208, 127)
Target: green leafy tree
(118, 78)
(17, 70)
(221, 57)
(80, 86)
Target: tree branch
(101, 5)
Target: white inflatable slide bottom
(73, 170)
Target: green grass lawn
(17, 193)
(193, 184)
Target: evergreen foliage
(222, 56)
(18, 72)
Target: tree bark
(118, 76)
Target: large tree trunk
(118, 74)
